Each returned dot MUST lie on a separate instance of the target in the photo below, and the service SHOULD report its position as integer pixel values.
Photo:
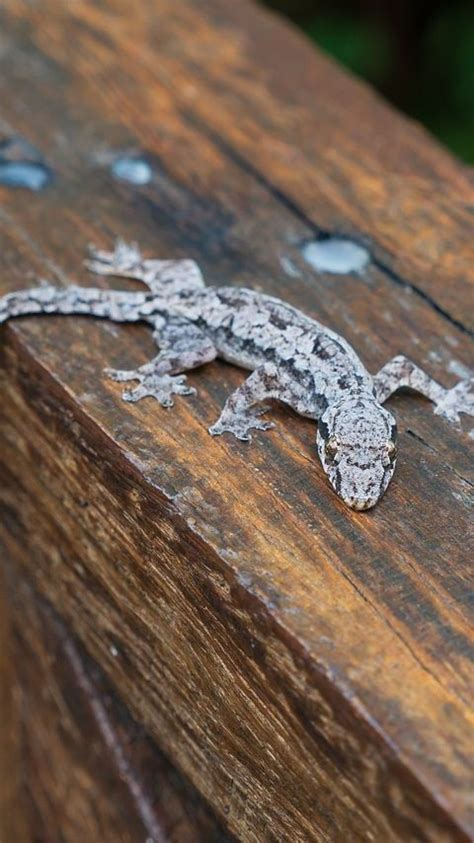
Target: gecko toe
(134, 395)
(215, 429)
(124, 258)
(100, 262)
(121, 375)
(98, 267)
(449, 414)
(186, 390)
(267, 425)
(95, 253)
(458, 399)
(240, 426)
(219, 428)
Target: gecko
(291, 357)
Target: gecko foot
(161, 387)
(125, 258)
(240, 423)
(459, 399)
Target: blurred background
(419, 55)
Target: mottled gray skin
(293, 358)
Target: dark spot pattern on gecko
(292, 358)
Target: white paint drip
(336, 255)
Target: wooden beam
(306, 666)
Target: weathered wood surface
(308, 667)
(81, 768)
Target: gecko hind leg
(183, 347)
(401, 372)
(152, 384)
(161, 276)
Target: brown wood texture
(12, 820)
(309, 668)
(84, 769)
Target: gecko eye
(391, 449)
(332, 446)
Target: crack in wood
(439, 456)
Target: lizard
(291, 356)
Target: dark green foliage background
(419, 54)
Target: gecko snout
(360, 485)
(360, 503)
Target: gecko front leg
(183, 347)
(401, 372)
(240, 415)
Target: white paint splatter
(459, 369)
(21, 165)
(464, 499)
(132, 170)
(337, 255)
(289, 267)
(452, 341)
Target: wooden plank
(342, 157)
(12, 819)
(70, 726)
(247, 600)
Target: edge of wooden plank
(333, 720)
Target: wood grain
(71, 726)
(309, 668)
(12, 819)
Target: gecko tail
(109, 304)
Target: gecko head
(357, 446)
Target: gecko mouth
(361, 504)
(362, 483)
(361, 489)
